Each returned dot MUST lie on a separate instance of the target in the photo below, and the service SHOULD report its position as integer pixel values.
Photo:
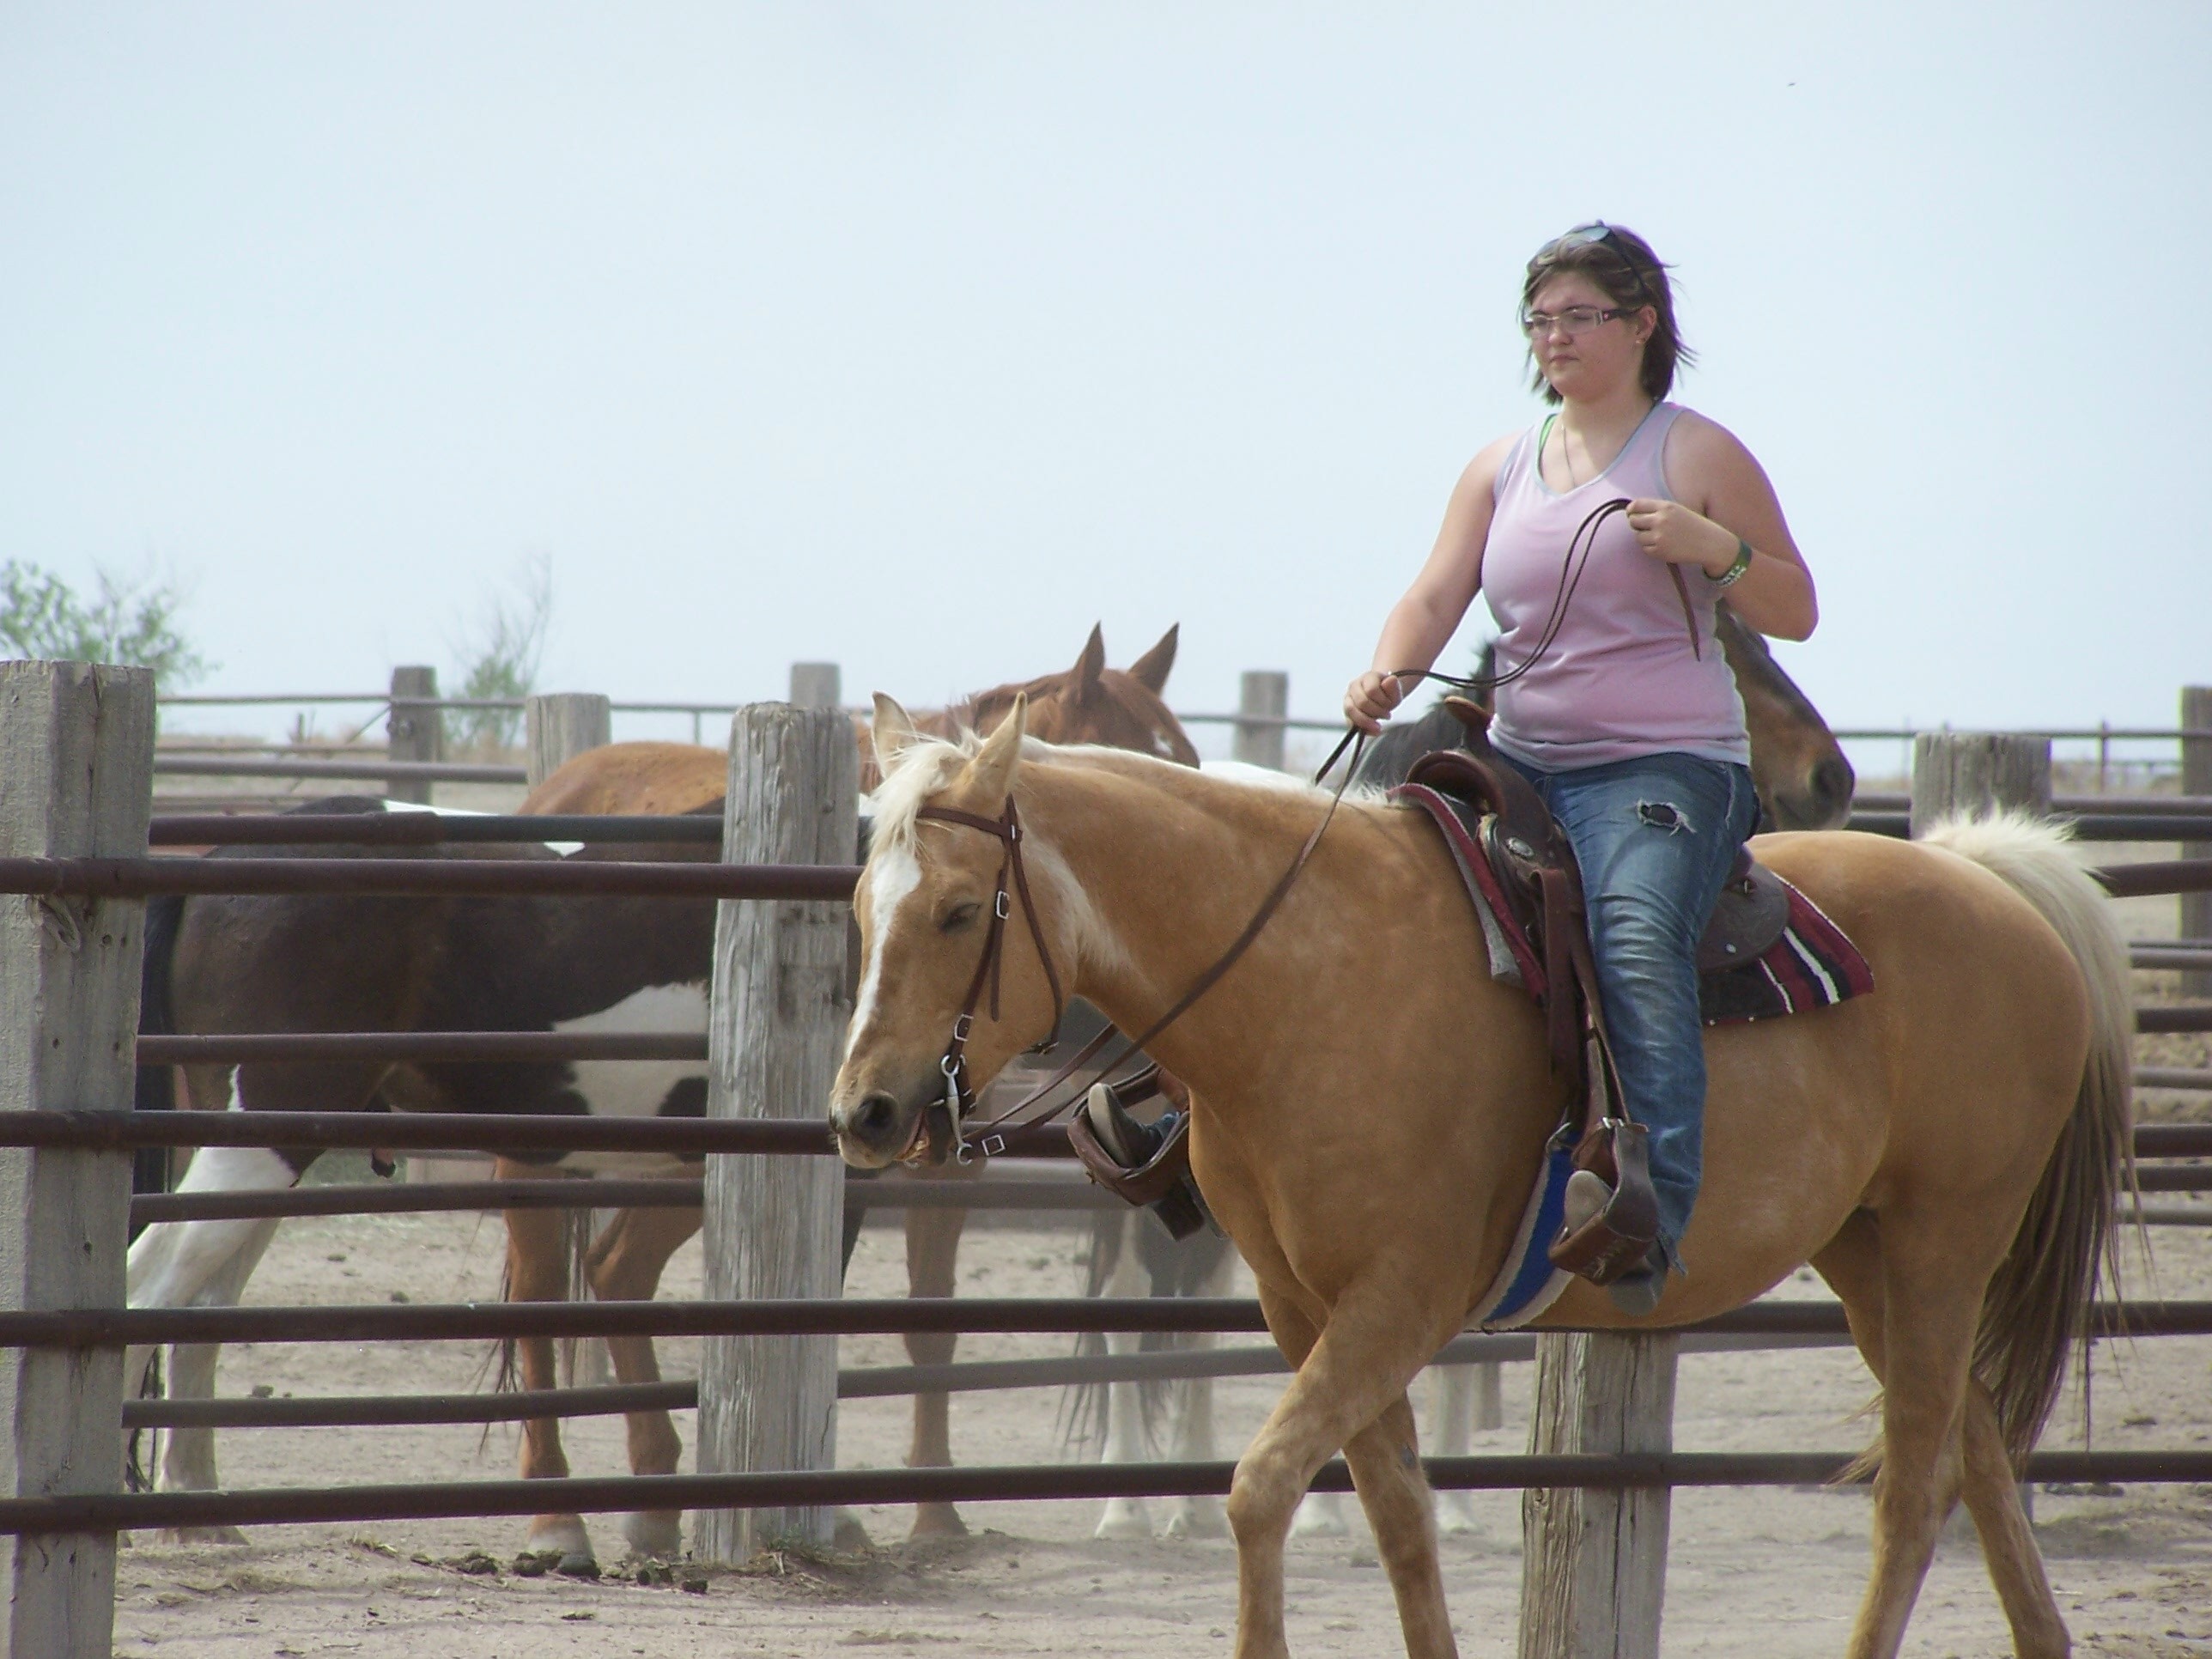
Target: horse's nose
(1834, 780)
(875, 1119)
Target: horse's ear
(1151, 670)
(892, 732)
(990, 775)
(1084, 677)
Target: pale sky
(919, 337)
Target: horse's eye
(958, 917)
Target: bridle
(959, 1097)
(1006, 829)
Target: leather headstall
(1006, 829)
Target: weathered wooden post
(2197, 780)
(1955, 772)
(816, 685)
(1968, 772)
(1265, 694)
(416, 728)
(76, 760)
(776, 1031)
(1594, 1562)
(560, 725)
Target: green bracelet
(1735, 572)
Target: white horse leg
(1125, 1517)
(188, 1462)
(1200, 1518)
(172, 1262)
(1465, 1398)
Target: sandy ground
(1751, 1573)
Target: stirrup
(1616, 1240)
(1146, 1164)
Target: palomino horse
(1088, 703)
(1370, 1110)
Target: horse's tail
(2038, 1304)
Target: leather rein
(959, 1098)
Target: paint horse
(1371, 1111)
(314, 964)
(1088, 703)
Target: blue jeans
(1655, 837)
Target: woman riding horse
(1617, 706)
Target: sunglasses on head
(1598, 233)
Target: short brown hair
(1622, 263)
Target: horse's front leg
(933, 1251)
(537, 1271)
(625, 1265)
(1376, 1337)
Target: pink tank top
(1620, 680)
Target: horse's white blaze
(172, 1262)
(636, 1087)
(893, 873)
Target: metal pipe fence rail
(279, 1506)
(472, 1322)
(406, 829)
(363, 771)
(145, 877)
(602, 1193)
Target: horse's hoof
(1203, 1519)
(1125, 1517)
(1319, 1515)
(577, 1564)
(1455, 1519)
(938, 1520)
(652, 1534)
(558, 1535)
(851, 1536)
(201, 1536)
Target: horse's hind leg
(626, 1266)
(1980, 1469)
(1126, 1440)
(1200, 1518)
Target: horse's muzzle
(880, 1129)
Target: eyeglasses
(1574, 319)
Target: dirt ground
(1766, 1573)
(1751, 1573)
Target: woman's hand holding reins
(1672, 531)
(1370, 700)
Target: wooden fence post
(2197, 780)
(1592, 1561)
(817, 685)
(1265, 692)
(560, 725)
(776, 1033)
(76, 760)
(1972, 771)
(416, 733)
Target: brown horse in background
(1088, 703)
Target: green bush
(134, 623)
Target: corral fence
(77, 758)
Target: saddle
(1533, 868)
